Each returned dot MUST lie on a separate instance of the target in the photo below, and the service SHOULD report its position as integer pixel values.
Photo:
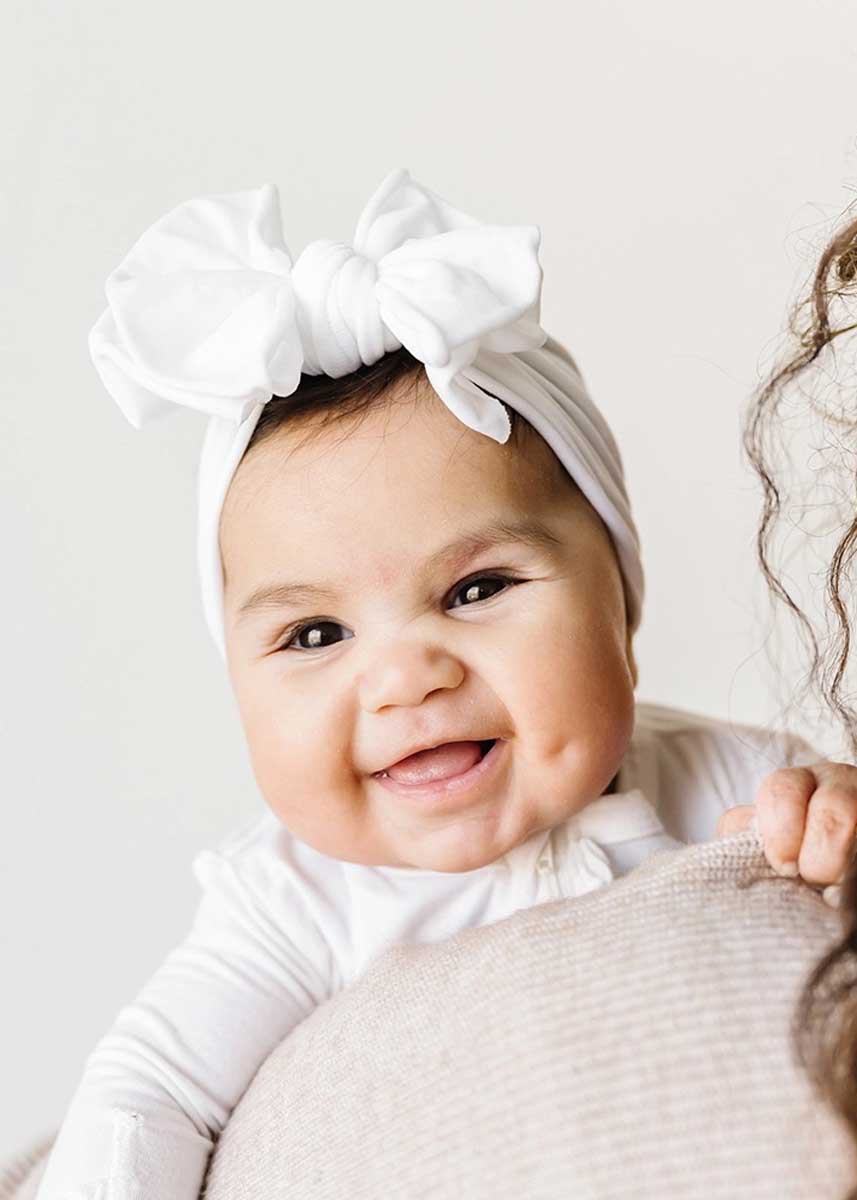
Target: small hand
(807, 818)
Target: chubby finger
(736, 819)
(781, 809)
(832, 895)
(831, 825)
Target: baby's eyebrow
(526, 530)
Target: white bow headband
(207, 311)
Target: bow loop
(466, 285)
(400, 208)
(449, 286)
(201, 312)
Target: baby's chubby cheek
(575, 765)
(305, 780)
(574, 717)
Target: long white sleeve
(161, 1084)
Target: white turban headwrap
(207, 311)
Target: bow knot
(338, 315)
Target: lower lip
(453, 785)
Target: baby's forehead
(394, 457)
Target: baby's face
(409, 649)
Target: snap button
(544, 865)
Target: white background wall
(684, 162)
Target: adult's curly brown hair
(828, 313)
(825, 1019)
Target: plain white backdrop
(685, 163)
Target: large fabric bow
(207, 310)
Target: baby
(419, 564)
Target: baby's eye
(314, 630)
(472, 586)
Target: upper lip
(438, 741)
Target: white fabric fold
(590, 864)
(611, 820)
(208, 311)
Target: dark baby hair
(397, 375)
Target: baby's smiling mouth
(437, 762)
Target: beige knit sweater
(633, 1042)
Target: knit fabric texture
(633, 1042)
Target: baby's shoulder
(671, 726)
(264, 859)
(695, 766)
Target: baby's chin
(468, 842)
(453, 859)
(478, 835)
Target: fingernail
(788, 869)
(832, 895)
